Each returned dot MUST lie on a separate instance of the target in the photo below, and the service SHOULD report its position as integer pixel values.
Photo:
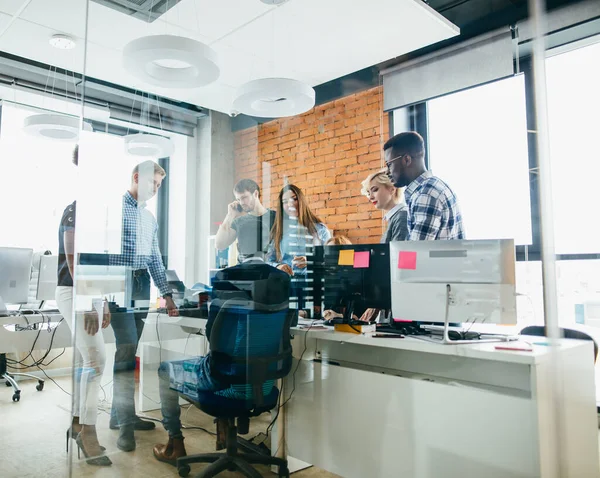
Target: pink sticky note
(362, 259)
(407, 260)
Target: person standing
(89, 341)
(386, 197)
(296, 231)
(247, 220)
(433, 209)
(142, 257)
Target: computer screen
(47, 280)
(359, 273)
(454, 281)
(15, 273)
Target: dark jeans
(128, 328)
(187, 376)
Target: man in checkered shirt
(433, 211)
(142, 257)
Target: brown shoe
(170, 452)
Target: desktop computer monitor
(48, 278)
(353, 277)
(454, 281)
(15, 273)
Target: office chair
(540, 331)
(249, 349)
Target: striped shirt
(139, 243)
(433, 211)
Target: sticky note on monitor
(346, 257)
(407, 260)
(362, 259)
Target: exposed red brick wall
(327, 152)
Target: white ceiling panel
(339, 37)
(310, 40)
(215, 19)
(30, 40)
(11, 7)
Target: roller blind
(474, 62)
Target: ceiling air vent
(147, 10)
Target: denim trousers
(186, 377)
(128, 328)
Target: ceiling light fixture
(274, 98)
(171, 61)
(145, 144)
(62, 42)
(54, 126)
(274, 2)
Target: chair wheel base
(16, 396)
(183, 470)
(283, 472)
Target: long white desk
(375, 407)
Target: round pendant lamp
(144, 144)
(53, 126)
(274, 98)
(171, 61)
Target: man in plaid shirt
(433, 211)
(141, 255)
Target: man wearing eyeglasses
(433, 211)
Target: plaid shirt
(433, 212)
(139, 243)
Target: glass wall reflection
(247, 238)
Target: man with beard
(433, 210)
(247, 220)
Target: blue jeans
(182, 376)
(128, 328)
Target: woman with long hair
(296, 230)
(387, 198)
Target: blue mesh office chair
(249, 349)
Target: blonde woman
(380, 191)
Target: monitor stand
(445, 338)
(3, 309)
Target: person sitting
(192, 376)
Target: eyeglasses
(387, 163)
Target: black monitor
(349, 289)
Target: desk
(404, 407)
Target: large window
(573, 81)
(43, 181)
(39, 183)
(478, 145)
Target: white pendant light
(171, 61)
(274, 98)
(144, 144)
(53, 126)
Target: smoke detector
(274, 2)
(62, 42)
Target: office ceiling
(309, 40)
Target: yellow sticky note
(346, 257)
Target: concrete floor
(32, 439)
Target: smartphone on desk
(387, 336)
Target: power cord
(279, 407)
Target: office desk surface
(428, 410)
(483, 351)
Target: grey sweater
(397, 226)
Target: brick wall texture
(327, 152)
